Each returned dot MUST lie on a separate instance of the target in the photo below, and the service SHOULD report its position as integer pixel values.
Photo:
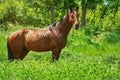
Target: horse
(52, 38)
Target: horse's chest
(61, 42)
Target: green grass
(79, 60)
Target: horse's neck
(64, 26)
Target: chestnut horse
(52, 38)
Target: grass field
(79, 60)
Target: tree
(83, 19)
(90, 4)
(113, 7)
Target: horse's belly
(45, 45)
(39, 47)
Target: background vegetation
(92, 52)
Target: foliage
(23, 12)
(34, 12)
(100, 28)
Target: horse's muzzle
(76, 26)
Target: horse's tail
(10, 53)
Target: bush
(23, 12)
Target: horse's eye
(73, 16)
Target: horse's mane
(55, 23)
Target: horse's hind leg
(21, 53)
(24, 53)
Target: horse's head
(73, 17)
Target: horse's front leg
(55, 54)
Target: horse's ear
(71, 9)
(77, 8)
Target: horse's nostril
(76, 26)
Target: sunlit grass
(79, 60)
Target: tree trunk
(83, 19)
(52, 11)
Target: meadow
(91, 53)
(79, 60)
